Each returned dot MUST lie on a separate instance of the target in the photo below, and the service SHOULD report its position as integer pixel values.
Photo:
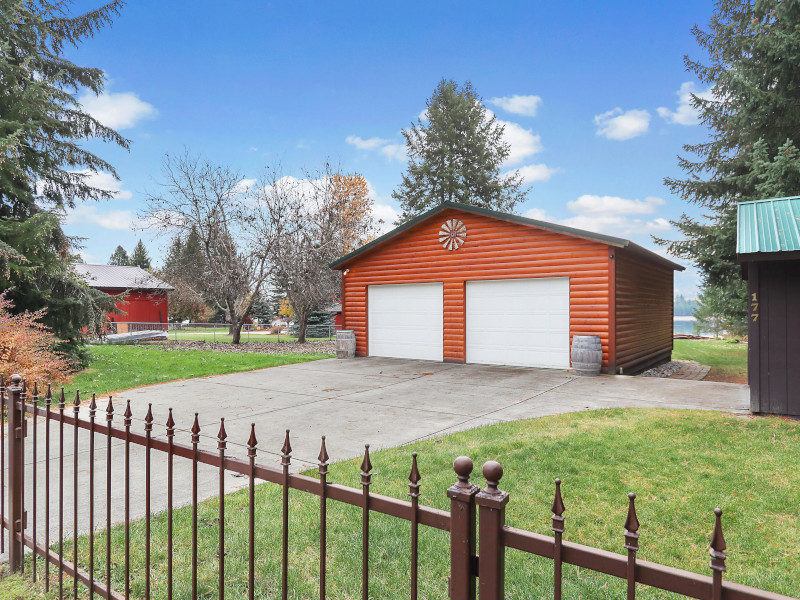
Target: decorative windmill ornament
(452, 234)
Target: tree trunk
(302, 322)
(237, 332)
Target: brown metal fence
(475, 522)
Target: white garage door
(405, 321)
(519, 322)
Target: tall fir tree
(140, 257)
(120, 258)
(753, 116)
(44, 166)
(455, 155)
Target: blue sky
(593, 96)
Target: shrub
(27, 347)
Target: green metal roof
(771, 225)
(588, 235)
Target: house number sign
(754, 307)
(452, 234)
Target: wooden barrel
(587, 355)
(345, 343)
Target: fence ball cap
(463, 467)
(492, 472)
(15, 379)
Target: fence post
(16, 462)
(492, 551)
(462, 532)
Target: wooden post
(462, 532)
(492, 551)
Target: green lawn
(680, 463)
(19, 587)
(728, 360)
(116, 368)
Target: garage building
(466, 284)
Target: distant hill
(684, 307)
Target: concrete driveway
(389, 402)
(383, 402)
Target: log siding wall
(644, 307)
(494, 249)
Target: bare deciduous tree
(212, 199)
(305, 225)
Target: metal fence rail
(475, 522)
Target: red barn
(144, 297)
(465, 284)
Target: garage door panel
(518, 322)
(406, 321)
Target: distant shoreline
(684, 318)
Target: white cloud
(622, 125)
(372, 143)
(244, 185)
(118, 111)
(616, 216)
(518, 105)
(423, 116)
(394, 151)
(106, 181)
(589, 204)
(611, 215)
(685, 113)
(540, 214)
(107, 219)
(533, 173)
(523, 142)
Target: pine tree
(139, 257)
(44, 166)
(120, 258)
(456, 156)
(753, 115)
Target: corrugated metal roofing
(771, 225)
(121, 278)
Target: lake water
(686, 325)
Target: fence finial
(632, 525)
(128, 415)
(286, 451)
(196, 429)
(463, 467)
(35, 390)
(62, 400)
(109, 410)
(48, 396)
(558, 509)
(718, 545)
(93, 405)
(323, 458)
(222, 436)
(148, 418)
(170, 424)
(252, 442)
(366, 467)
(414, 477)
(77, 398)
(493, 473)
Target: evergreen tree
(120, 258)
(44, 166)
(456, 156)
(753, 116)
(139, 257)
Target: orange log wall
(644, 307)
(494, 249)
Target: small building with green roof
(768, 248)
